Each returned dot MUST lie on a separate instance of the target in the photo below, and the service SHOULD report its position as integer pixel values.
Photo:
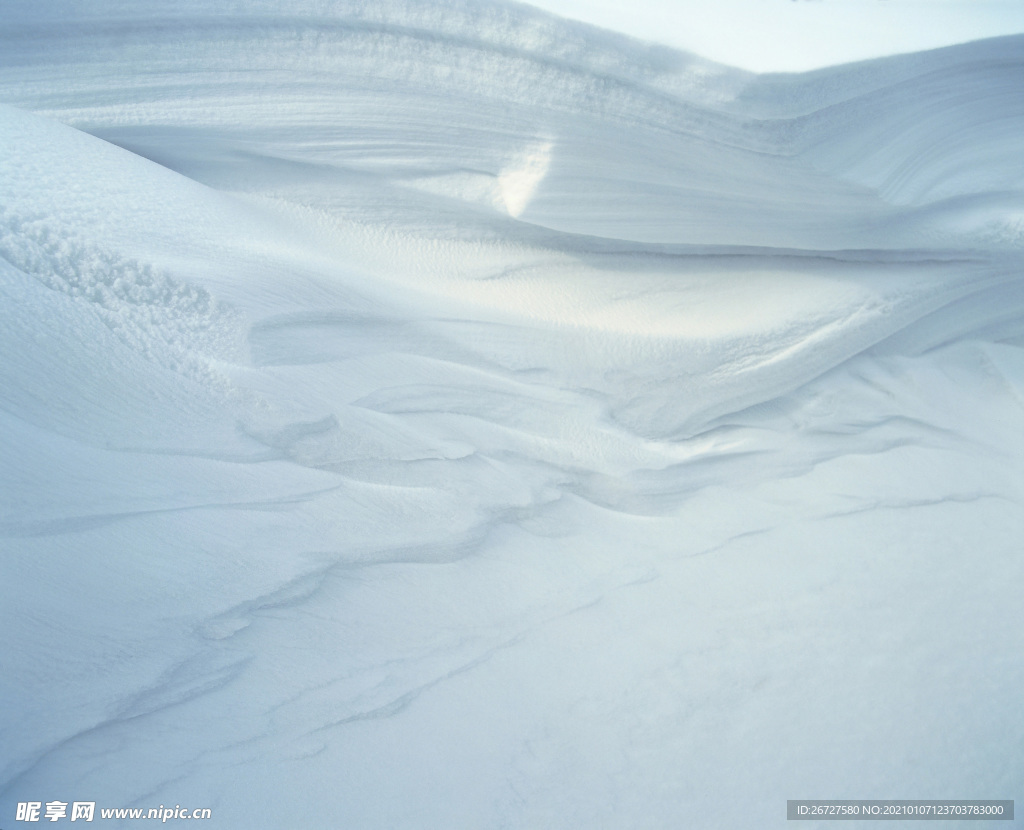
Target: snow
(458, 416)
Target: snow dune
(456, 416)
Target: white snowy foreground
(452, 416)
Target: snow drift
(455, 416)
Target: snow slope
(453, 416)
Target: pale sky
(793, 35)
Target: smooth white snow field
(449, 415)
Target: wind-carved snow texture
(455, 416)
(177, 325)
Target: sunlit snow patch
(510, 191)
(518, 181)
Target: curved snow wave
(479, 189)
(490, 164)
(668, 148)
